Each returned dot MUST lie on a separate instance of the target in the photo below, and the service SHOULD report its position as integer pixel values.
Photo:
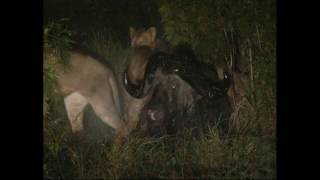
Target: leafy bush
(57, 42)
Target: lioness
(88, 81)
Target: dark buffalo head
(181, 92)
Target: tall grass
(210, 156)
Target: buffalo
(178, 91)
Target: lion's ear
(132, 31)
(153, 32)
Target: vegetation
(102, 26)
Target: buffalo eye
(211, 94)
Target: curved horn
(157, 60)
(205, 86)
(220, 87)
(134, 90)
(195, 73)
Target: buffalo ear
(153, 32)
(132, 31)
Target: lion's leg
(75, 104)
(115, 93)
(104, 106)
